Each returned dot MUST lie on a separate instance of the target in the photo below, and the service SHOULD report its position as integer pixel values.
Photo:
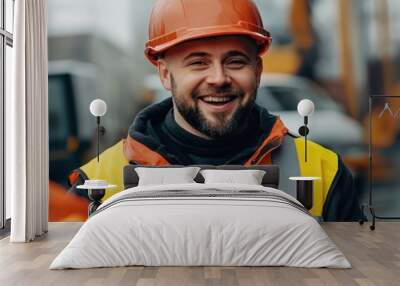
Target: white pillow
(248, 177)
(163, 176)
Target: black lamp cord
(305, 148)
(305, 137)
(98, 136)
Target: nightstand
(96, 191)
(305, 190)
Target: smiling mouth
(217, 100)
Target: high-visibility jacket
(335, 198)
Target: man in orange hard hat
(207, 53)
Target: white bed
(249, 225)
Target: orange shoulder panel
(141, 154)
(262, 156)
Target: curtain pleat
(15, 130)
(29, 159)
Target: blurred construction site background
(336, 52)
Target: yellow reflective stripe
(321, 162)
(109, 168)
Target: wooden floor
(375, 256)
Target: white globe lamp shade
(98, 107)
(305, 107)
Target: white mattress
(183, 231)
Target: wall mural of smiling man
(207, 54)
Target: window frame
(6, 39)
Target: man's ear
(259, 69)
(165, 74)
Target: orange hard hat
(174, 21)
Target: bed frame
(270, 179)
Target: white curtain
(26, 123)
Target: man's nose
(218, 76)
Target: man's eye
(236, 63)
(198, 63)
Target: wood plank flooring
(374, 255)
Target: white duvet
(183, 231)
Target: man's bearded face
(214, 83)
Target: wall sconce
(98, 108)
(305, 108)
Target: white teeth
(217, 99)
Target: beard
(222, 125)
